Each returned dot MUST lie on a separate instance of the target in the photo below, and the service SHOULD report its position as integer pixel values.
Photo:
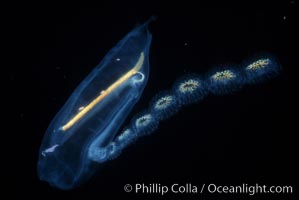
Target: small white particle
(81, 108)
(117, 59)
(50, 150)
(185, 44)
(284, 17)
